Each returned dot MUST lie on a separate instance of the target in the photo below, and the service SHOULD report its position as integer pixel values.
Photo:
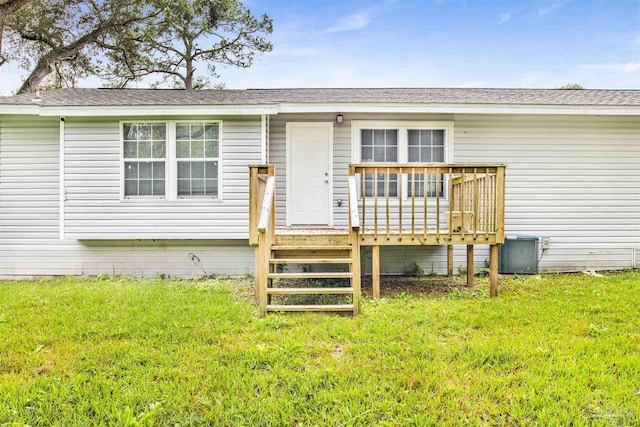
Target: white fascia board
(158, 110)
(20, 109)
(457, 108)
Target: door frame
(289, 127)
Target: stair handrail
(354, 216)
(267, 204)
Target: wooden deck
(464, 205)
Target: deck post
(469, 265)
(264, 248)
(493, 271)
(450, 260)
(375, 270)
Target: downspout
(63, 192)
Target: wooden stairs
(296, 257)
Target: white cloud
(505, 17)
(621, 67)
(356, 21)
(543, 11)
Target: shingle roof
(141, 97)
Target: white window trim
(171, 164)
(403, 126)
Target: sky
(438, 43)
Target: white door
(309, 173)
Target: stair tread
(318, 275)
(332, 307)
(300, 291)
(311, 261)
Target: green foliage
(121, 41)
(572, 86)
(549, 350)
(191, 33)
(413, 270)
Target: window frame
(403, 127)
(171, 163)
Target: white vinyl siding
(29, 217)
(574, 179)
(94, 208)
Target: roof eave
(138, 110)
(457, 108)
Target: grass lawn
(551, 350)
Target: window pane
(211, 149)
(197, 187)
(184, 187)
(366, 136)
(144, 186)
(197, 149)
(211, 131)
(437, 137)
(414, 154)
(144, 170)
(144, 149)
(379, 154)
(158, 187)
(144, 131)
(129, 131)
(197, 170)
(182, 132)
(367, 154)
(130, 170)
(160, 132)
(158, 149)
(184, 170)
(130, 150)
(392, 154)
(211, 187)
(438, 154)
(158, 170)
(182, 149)
(414, 137)
(197, 131)
(391, 137)
(211, 170)
(131, 187)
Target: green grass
(551, 350)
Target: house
(142, 182)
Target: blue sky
(440, 43)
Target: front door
(309, 173)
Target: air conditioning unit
(519, 255)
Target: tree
(190, 33)
(7, 8)
(572, 86)
(67, 38)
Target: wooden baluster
(438, 204)
(425, 197)
(363, 178)
(486, 204)
(375, 202)
(462, 204)
(451, 202)
(475, 201)
(413, 203)
(386, 192)
(400, 199)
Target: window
(171, 160)
(144, 153)
(380, 146)
(403, 142)
(425, 146)
(197, 153)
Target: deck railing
(430, 203)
